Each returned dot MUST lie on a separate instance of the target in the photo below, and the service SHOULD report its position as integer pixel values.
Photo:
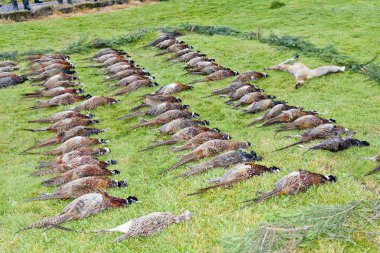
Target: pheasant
(135, 86)
(126, 73)
(51, 72)
(83, 207)
(152, 100)
(261, 105)
(66, 124)
(172, 88)
(246, 96)
(94, 102)
(65, 84)
(175, 125)
(8, 64)
(105, 51)
(166, 117)
(156, 110)
(80, 172)
(178, 46)
(209, 148)
(180, 53)
(291, 184)
(216, 76)
(118, 67)
(73, 164)
(147, 225)
(166, 43)
(64, 136)
(199, 65)
(53, 92)
(324, 131)
(64, 99)
(124, 82)
(163, 37)
(57, 78)
(206, 70)
(44, 57)
(61, 115)
(8, 69)
(11, 79)
(200, 139)
(250, 76)
(229, 89)
(287, 116)
(193, 62)
(336, 144)
(80, 187)
(65, 158)
(73, 144)
(239, 173)
(273, 112)
(188, 56)
(182, 135)
(224, 160)
(240, 92)
(304, 122)
(301, 72)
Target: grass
(349, 98)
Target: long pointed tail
(49, 222)
(42, 120)
(375, 170)
(42, 172)
(41, 144)
(36, 130)
(263, 197)
(203, 190)
(136, 108)
(186, 159)
(132, 115)
(44, 197)
(144, 124)
(55, 181)
(161, 143)
(53, 152)
(180, 148)
(194, 170)
(33, 94)
(39, 105)
(196, 81)
(93, 66)
(291, 145)
(50, 164)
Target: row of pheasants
(82, 176)
(243, 93)
(8, 77)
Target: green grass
(349, 98)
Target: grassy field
(350, 98)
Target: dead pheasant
(73, 164)
(172, 88)
(135, 86)
(126, 73)
(247, 97)
(65, 84)
(83, 207)
(209, 148)
(148, 225)
(324, 131)
(57, 78)
(80, 172)
(62, 115)
(51, 72)
(241, 172)
(182, 135)
(250, 76)
(337, 144)
(261, 105)
(175, 125)
(166, 117)
(166, 43)
(200, 139)
(65, 158)
(230, 89)
(11, 79)
(64, 99)
(131, 79)
(273, 112)
(80, 187)
(288, 116)
(53, 92)
(163, 37)
(156, 110)
(224, 161)
(66, 124)
(305, 122)
(216, 76)
(193, 62)
(73, 144)
(64, 136)
(94, 102)
(152, 100)
(293, 183)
